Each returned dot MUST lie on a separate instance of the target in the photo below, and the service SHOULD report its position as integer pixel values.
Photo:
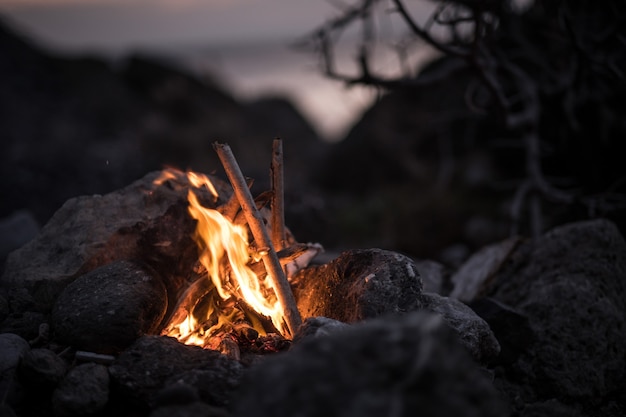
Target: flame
(226, 254)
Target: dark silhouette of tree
(552, 74)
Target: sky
(128, 23)
(174, 26)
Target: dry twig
(278, 201)
(263, 241)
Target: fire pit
(181, 294)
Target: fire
(227, 255)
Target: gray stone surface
(4, 308)
(83, 391)
(42, 368)
(315, 327)
(108, 308)
(196, 409)
(474, 277)
(571, 284)
(358, 284)
(154, 362)
(473, 332)
(25, 324)
(91, 231)
(12, 350)
(393, 366)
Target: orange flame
(226, 255)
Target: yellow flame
(226, 255)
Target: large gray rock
(154, 363)
(12, 350)
(142, 220)
(84, 391)
(475, 275)
(108, 308)
(42, 369)
(473, 332)
(316, 327)
(358, 284)
(396, 366)
(571, 284)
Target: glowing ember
(226, 254)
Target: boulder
(473, 332)
(42, 369)
(108, 308)
(12, 350)
(397, 365)
(154, 363)
(315, 327)
(83, 391)
(474, 276)
(143, 221)
(571, 284)
(358, 284)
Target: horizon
(212, 38)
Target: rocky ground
(423, 304)
(522, 328)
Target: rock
(4, 308)
(434, 276)
(510, 327)
(473, 332)
(571, 284)
(83, 391)
(474, 277)
(142, 220)
(550, 408)
(314, 327)
(214, 384)
(359, 284)
(397, 365)
(178, 393)
(12, 350)
(110, 307)
(154, 362)
(6, 411)
(197, 409)
(42, 368)
(25, 324)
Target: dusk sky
(131, 23)
(264, 66)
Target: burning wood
(278, 201)
(244, 296)
(257, 226)
(232, 206)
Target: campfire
(160, 298)
(242, 296)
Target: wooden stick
(278, 199)
(257, 227)
(232, 206)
